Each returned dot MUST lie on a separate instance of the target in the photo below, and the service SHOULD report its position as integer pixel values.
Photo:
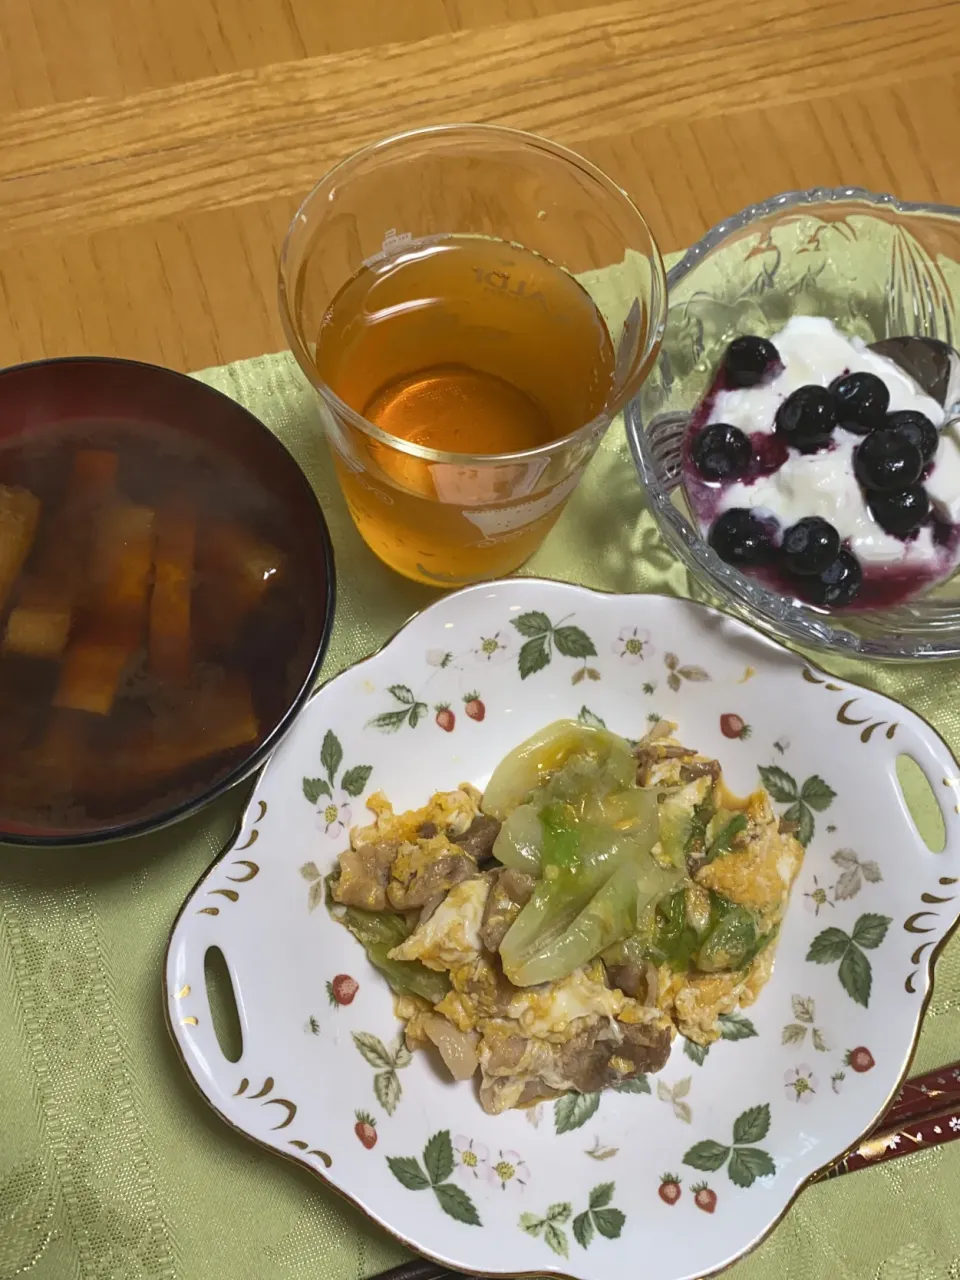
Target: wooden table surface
(152, 152)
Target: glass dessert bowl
(877, 268)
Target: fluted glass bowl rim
(787, 619)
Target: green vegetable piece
(596, 882)
(561, 838)
(548, 753)
(378, 932)
(731, 943)
(674, 940)
(409, 977)
(681, 822)
(520, 840)
(722, 831)
(697, 834)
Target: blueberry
(721, 452)
(862, 401)
(839, 583)
(748, 359)
(886, 462)
(917, 428)
(809, 546)
(740, 537)
(900, 513)
(807, 417)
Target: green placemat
(111, 1167)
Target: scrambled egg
(760, 874)
(551, 1009)
(695, 1001)
(446, 810)
(451, 936)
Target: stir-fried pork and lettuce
(557, 931)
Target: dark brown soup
(156, 623)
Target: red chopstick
(924, 1114)
(921, 1094)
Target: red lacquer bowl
(47, 411)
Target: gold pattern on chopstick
(874, 1147)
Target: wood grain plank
(58, 51)
(200, 289)
(241, 138)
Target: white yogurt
(813, 350)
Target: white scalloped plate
(575, 1187)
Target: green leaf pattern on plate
(409, 710)
(855, 972)
(434, 1174)
(386, 1082)
(804, 1013)
(814, 794)
(599, 1218)
(542, 638)
(747, 1162)
(334, 814)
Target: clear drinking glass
(446, 293)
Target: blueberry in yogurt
(809, 546)
(901, 513)
(885, 462)
(742, 538)
(839, 584)
(917, 429)
(862, 400)
(807, 417)
(748, 360)
(722, 452)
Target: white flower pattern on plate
(817, 897)
(335, 815)
(472, 1158)
(509, 1169)
(955, 1123)
(632, 644)
(800, 1083)
(494, 648)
